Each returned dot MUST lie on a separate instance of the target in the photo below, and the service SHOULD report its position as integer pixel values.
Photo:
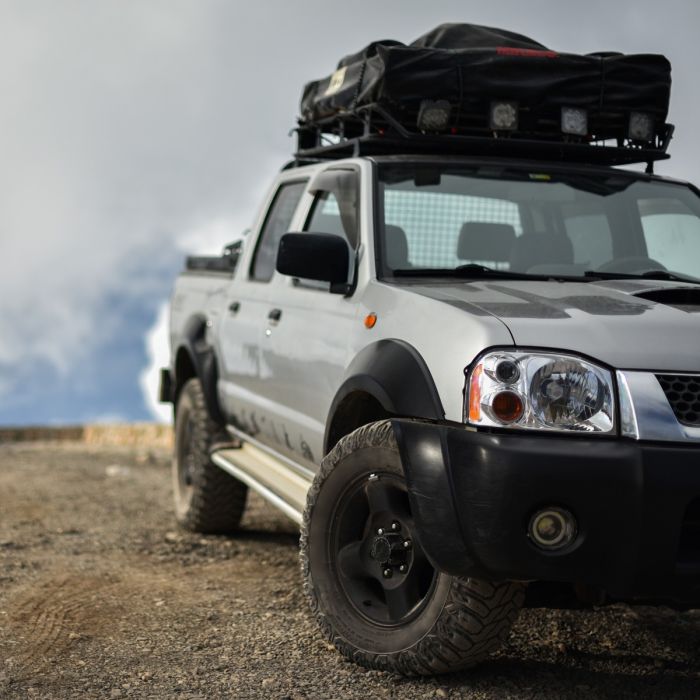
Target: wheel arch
(385, 379)
(195, 357)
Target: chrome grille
(683, 393)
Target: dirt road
(102, 597)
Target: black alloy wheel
(382, 568)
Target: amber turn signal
(475, 394)
(370, 320)
(507, 406)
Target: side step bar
(270, 477)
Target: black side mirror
(315, 256)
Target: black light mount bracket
(372, 130)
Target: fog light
(574, 121)
(434, 115)
(552, 528)
(641, 127)
(504, 116)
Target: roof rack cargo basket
(470, 90)
(330, 142)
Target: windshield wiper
(474, 271)
(649, 275)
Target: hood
(627, 324)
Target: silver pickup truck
(462, 376)
(460, 348)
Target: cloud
(158, 352)
(114, 144)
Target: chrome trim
(646, 412)
(301, 471)
(265, 492)
(628, 416)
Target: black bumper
(473, 495)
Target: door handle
(274, 316)
(234, 307)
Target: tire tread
(476, 618)
(218, 500)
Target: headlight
(540, 391)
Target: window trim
(316, 188)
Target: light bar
(434, 115)
(641, 127)
(504, 116)
(574, 121)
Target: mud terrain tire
(207, 499)
(454, 623)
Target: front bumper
(473, 495)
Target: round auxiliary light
(504, 116)
(507, 406)
(552, 528)
(507, 372)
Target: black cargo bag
(472, 67)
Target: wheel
(207, 499)
(371, 588)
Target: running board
(270, 477)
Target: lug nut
(407, 544)
(387, 573)
(402, 568)
(380, 531)
(395, 526)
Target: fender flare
(204, 361)
(394, 373)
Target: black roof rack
(373, 131)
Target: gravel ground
(102, 596)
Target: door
(304, 350)
(244, 317)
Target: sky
(135, 131)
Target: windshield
(471, 221)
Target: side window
(325, 215)
(323, 218)
(279, 217)
(336, 205)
